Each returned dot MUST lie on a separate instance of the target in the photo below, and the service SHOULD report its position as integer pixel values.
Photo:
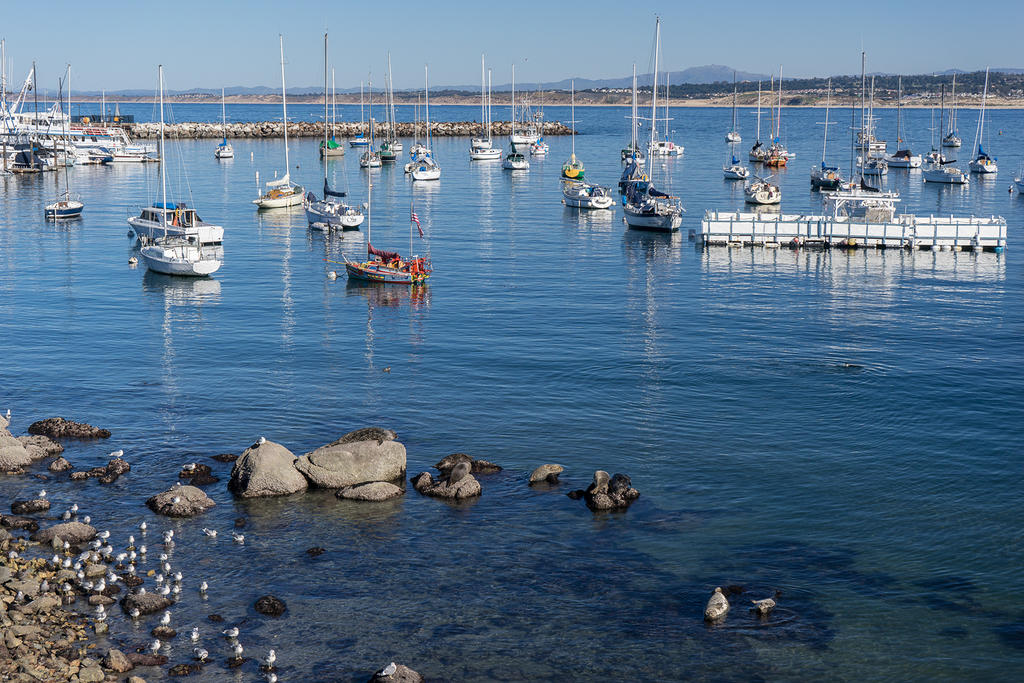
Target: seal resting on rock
(610, 493)
(717, 606)
(764, 607)
(459, 484)
(448, 462)
(548, 473)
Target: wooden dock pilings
(314, 129)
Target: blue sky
(213, 43)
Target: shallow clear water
(880, 499)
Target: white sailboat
(981, 162)
(370, 158)
(332, 148)
(758, 153)
(426, 166)
(329, 212)
(175, 255)
(632, 153)
(575, 191)
(825, 177)
(665, 148)
(483, 149)
(902, 158)
(282, 192)
(761, 191)
(224, 149)
(645, 207)
(360, 140)
(733, 135)
(391, 147)
(66, 205)
(515, 160)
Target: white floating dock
(903, 231)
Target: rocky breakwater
(312, 129)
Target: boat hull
(984, 167)
(281, 202)
(63, 210)
(735, 172)
(656, 222)
(484, 154)
(370, 272)
(154, 257)
(942, 177)
(582, 196)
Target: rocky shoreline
(312, 129)
(60, 570)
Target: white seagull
(200, 654)
(117, 454)
(212, 533)
(231, 632)
(389, 670)
(195, 634)
(238, 538)
(166, 618)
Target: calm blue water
(881, 500)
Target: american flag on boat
(415, 219)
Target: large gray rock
(48, 445)
(13, 454)
(74, 533)
(180, 501)
(266, 469)
(337, 465)
(60, 464)
(374, 491)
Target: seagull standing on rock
(42, 494)
(389, 670)
(238, 649)
(271, 658)
(262, 440)
(142, 527)
(165, 619)
(117, 454)
(200, 654)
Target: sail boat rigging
(825, 177)
(575, 192)
(951, 138)
(426, 167)
(482, 148)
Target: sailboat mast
(759, 111)
(771, 109)
(667, 95)
(828, 102)
(981, 119)
(654, 99)
(163, 153)
(778, 119)
(513, 102)
(899, 111)
(952, 111)
(734, 101)
(334, 103)
(488, 108)
(572, 113)
(634, 143)
(863, 86)
(391, 102)
(284, 106)
(325, 110)
(942, 114)
(483, 112)
(426, 108)
(362, 116)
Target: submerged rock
(146, 603)
(58, 427)
(373, 491)
(422, 481)
(353, 462)
(270, 606)
(116, 661)
(548, 473)
(398, 673)
(717, 606)
(74, 533)
(60, 465)
(266, 469)
(198, 474)
(180, 501)
(29, 507)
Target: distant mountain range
(696, 75)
